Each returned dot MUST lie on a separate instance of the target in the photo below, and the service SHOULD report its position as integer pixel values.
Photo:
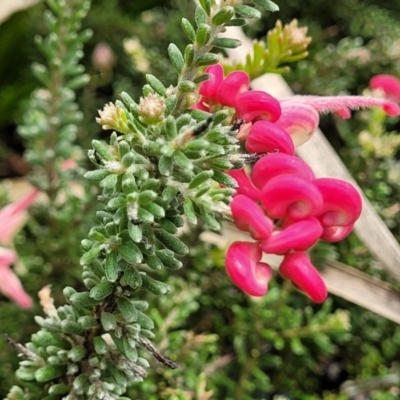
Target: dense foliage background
(229, 346)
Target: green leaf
(200, 178)
(127, 310)
(189, 30)
(206, 4)
(169, 193)
(156, 84)
(200, 16)
(203, 34)
(90, 256)
(268, 5)
(108, 321)
(176, 57)
(135, 232)
(153, 262)
(226, 43)
(186, 86)
(151, 184)
(189, 54)
(41, 73)
(144, 321)
(147, 196)
(247, 12)
(96, 175)
(130, 253)
(170, 127)
(129, 351)
(168, 259)
(207, 59)
(165, 165)
(49, 372)
(102, 290)
(188, 209)
(154, 286)
(71, 327)
(223, 15)
(170, 103)
(154, 209)
(171, 242)
(82, 299)
(236, 22)
(111, 266)
(103, 150)
(78, 82)
(132, 278)
(167, 225)
(224, 179)
(100, 345)
(182, 161)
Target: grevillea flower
(268, 137)
(10, 285)
(209, 88)
(245, 269)
(389, 84)
(299, 120)
(336, 233)
(299, 236)
(298, 269)
(12, 217)
(342, 203)
(273, 165)
(255, 105)
(245, 185)
(291, 196)
(235, 83)
(249, 217)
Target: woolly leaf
(130, 253)
(171, 242)
(102, 290)
(188, 29)
(223, 15)
(188, 209)
(154, 286)
(247, 12)
(127, 309)
(226, 43)
(268, 5)
(203, 34)
(156, 84)
(111, 266)
(176, 57)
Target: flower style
(281, 204)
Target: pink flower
(342, 203)
(235, 83)
(10, 285)
(12, 216)
(268, 137)
(249, 217)
(291, 196)
(299, 236)
(389, 84)
(298, 269)
(276, 164)
(256, 104)
(245, 185)
(245, 269)
(299, 120)
(209, 88)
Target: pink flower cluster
(283, 206)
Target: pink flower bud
(257, 104)
(208, 89)
(292, 196)
(389, 84)
(267, 137)
(298, 269)
(10, 285)
(327, 104)
(276, 164)
(299, 120)
(249, 217)
(245, 186)
(245, 269)
(103, 58)
(342, 203)
(336, 233)
(235, 83)
(299, 236)
(200, 106)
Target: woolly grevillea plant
(174, 156)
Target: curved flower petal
(342, 204)
(276, 164)
(298, 269)
(245, 269)
(235, 83)
(292, 196)
(249, 217)
(267, 137)
(299, 120)
(208, 89)
(245, 186)
(299, 236)
(257, 104)
(389, 84)
(336, 233)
